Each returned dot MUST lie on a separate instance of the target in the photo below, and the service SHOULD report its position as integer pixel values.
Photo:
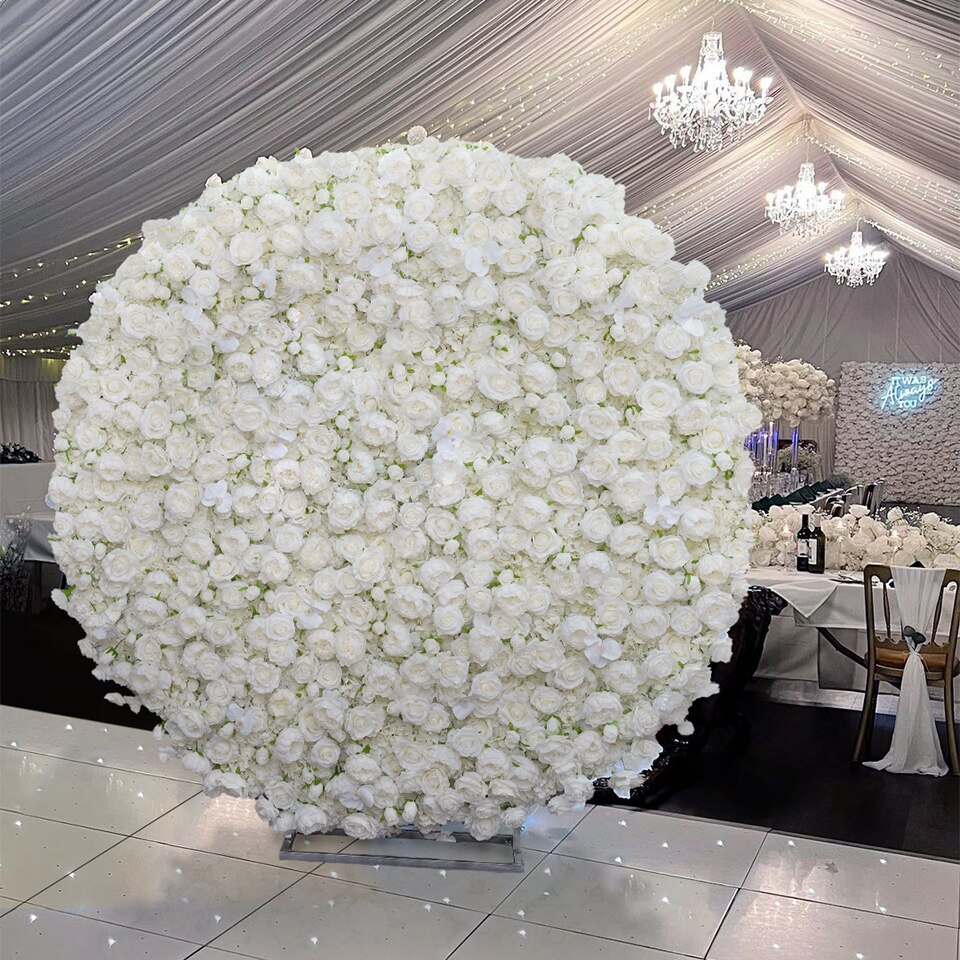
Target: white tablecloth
(23, 487)
(793, 649)
(820, 600)
(38, 542)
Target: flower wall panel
(902, 422)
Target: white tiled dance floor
(107, 853)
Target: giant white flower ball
(406, 485)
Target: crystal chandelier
(856, 264)
(700, 110)
(806, 208)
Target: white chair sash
(915, 747)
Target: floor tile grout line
(78, 826)
(123, 838)
(199, 945)
(849, 909)
(99, 766)
(483, 920)
(843, 906)
(865, 846)
(753, 862)
(231, 953)
(527, 922)
(109, 923)
(81, 826)
(77, 868)
(216, 853)
(768, 832)
(658, 873)
(150, 823)
(247, 916)
(597, 936)
(877, 913)
(299, 877)
(522, 877)
(733, 899)
(392, 893)
(673, 814)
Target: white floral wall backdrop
(902, 422)
(406, 485)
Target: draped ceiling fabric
(116, 112)
(912, 316)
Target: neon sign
(908, 391)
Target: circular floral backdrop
(406, 485)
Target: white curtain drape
(27, 402)
(115, 112)
(910, 315)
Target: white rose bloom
(245, 247)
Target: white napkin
(805, 592)
(916, 746)
(807, 596)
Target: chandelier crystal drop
(856, 264)
(805, 209)
(703, 108)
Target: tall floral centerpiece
(791, 390)
(407, 485)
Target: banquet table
(832, 604)
(23, 487)
(38, 541)
(23, 490)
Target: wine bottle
(803, 545)
(818, 548)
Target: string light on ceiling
(704, 108)
(856, 264)
(925, 188)
(36, 300)
(937, 250)
(49, 353)
(757, 262)
(805, 208)
(886, 55)
(38, 265)
(61, 329)
(502, 111)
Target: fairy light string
(37, 266)
(61, 329)
(537, 93)
(48, 353)
(892, 57)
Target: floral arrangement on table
(856, 539)
(786, 389)
(407, 485)
(808, 459)
(17, 453)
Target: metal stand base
(453, 849)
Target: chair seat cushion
(896, 659)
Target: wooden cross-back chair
(887, 654)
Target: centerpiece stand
(450, 848)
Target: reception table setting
(829, 602)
